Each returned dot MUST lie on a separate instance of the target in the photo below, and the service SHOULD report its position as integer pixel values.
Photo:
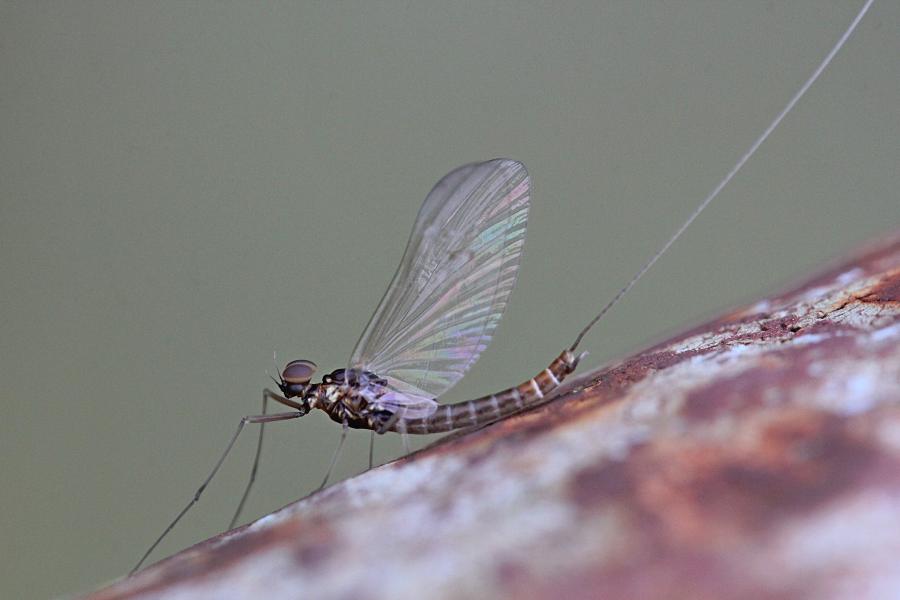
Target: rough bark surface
(756, 456)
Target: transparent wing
(451, 288)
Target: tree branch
(755, 456)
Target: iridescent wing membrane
(451, 288)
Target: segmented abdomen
(487, 409)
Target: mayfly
(440, 312)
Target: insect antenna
(725, 180)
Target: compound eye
(298, 371)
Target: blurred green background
(188, 187)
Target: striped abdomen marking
(487, 409)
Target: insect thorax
(351, 396)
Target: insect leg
(267, 395)
(334, 457)
(249, 419)
(371, 449)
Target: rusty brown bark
(756, 456)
